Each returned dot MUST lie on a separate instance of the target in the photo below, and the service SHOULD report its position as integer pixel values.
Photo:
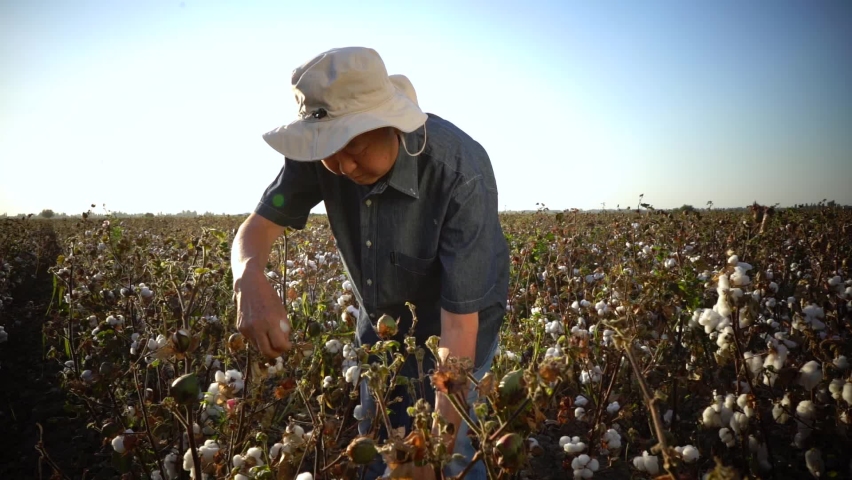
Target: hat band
(321, 114)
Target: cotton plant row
(152, 304)
(577, 298)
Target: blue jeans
(463, 444)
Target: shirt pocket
(411, 279)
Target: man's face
(366, 158)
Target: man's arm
(458, 338)
(260, 313)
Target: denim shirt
(428, 233)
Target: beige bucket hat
(342, 93)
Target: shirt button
(369, 282)
(369, 244)
(369, 202)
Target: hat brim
(312, 140)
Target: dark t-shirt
(427, 233)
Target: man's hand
(261, 316)
(458, 338)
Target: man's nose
(347, 166)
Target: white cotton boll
(333, 346)
(739, 423)
(612, 439)
(733, 260)
(690, 454)
(240, 476)
(257, 454)
(353, 374)
(553, 352)
(739, 277)
(581, 401)
(667, 417)
(613, 408)
(806, 410)
(572, 445)
(238, 461)
(727, 437)
(836, 388)
(575, 306)
(585, 303)
(305, 476)
(670, 263)
(810, 375)
(846, 395)
(118, 444)
(756, 295)
(835, 281)
(754, 363)
(711, 418)
(770, 302)
(813, 460)
(591, 376)
(709, 319)
(742, 400)
(650, 463)
(579, 413)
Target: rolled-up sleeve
(288, 200)
(469, 244)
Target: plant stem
(650, 402)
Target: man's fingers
(278, 338)
(262, 343)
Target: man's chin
(363, 180)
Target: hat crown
(341, 81)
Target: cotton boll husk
(810, 375)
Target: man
(412, 204)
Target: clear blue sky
(159, 106)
